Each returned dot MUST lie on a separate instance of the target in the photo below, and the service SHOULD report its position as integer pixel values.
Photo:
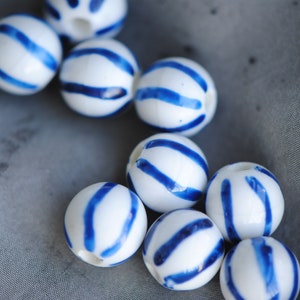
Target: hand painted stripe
(182, 277)
(95, 5)
(266, 172)
(67, 238)
(115, 58)
(191, 154)
(35, 50)
(183, 68)
(89, 232)
(168, 96)
(115, 26)
(228, 211)
(261, 192)
(166, 250)
(103, 93)
(52, 11)
(173, 187)
(126, 228)
(18, 83)
(265, 263)
(73, 3)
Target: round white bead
(167, 171)
(80, 20)
(176, 95)
(98, 77)
(260, 268)
(183, 249)
(105, 224)
(244, 200)
(30, 54)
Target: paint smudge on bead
(73, 3)
(95, 5)
(266, 172)
(52, 11)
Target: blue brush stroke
(182, 277)
(52, 11)
(166, 250)
(226, 198)
(186, 151)
(130, 183)
(265, 263)
(266, 172)
(89, 233)
(168, 96)
(116, 59)
(95, 5)
(261, 192)
(115, 26)
(73, 3)
(173, 187)
(18, 83)
(103, 93)
(35, 50)
(178, 66)
(126, 228)
(67, 238)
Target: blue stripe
(52, 11)
(173, 187)
(35, 50)
(67, 238)
(115, 26)
(216, 253)
(168, 96)
(265, 263)
(103, 93)
(89, 232)
(166, 250)
(266, 172)
(73, 3)
(183, 68)
(228, 211)
(130, 183)
(261, 192)
(116, 59)
(125, 230)
(95, 5)
(191, 154)
(18, 83)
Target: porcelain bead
(31, 53)
(244, 199)
(260, 268)
(167, 171)
(81, 20)
(98, 77)
(105, 224)
(183, 249)
(176, 95)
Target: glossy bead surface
(81, 20)
(98, 77)
(260, 268)
(167, 171)
(183, 249)
(105, 224)
(31, 53)
(245, 200)
(176, 95)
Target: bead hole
(82, 27)
(239, 167)
(89, 257)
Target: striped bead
(105, 224)
(79, 20)
(176, 95)
(183, 249)
(245, 200)
(98, 76)
(260, 268)
(31, 53)
(167, 171)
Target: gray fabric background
(48, 153)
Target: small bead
(183, 249)
(31, 53)
(81, 20)
(167, 171)
(176, 95)
(105, 224)
(260, 268)
(245, 200)
(98, 77)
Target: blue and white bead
(260, 268)
(79, 20)
(183, 249)
(31, 53)
(176, 95)
(98, 77)
(244, 199)
(105, 224)
(167, 171)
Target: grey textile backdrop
(48, 153)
